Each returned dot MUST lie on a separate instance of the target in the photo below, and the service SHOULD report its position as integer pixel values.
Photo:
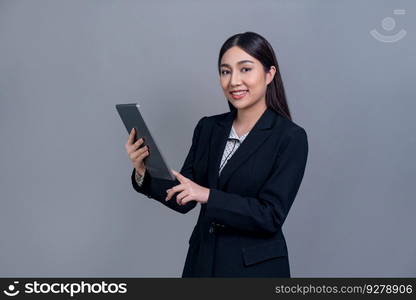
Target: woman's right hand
(135, 153)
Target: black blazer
(239, 229)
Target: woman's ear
(270, 74)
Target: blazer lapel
(256, 137)
(221, 131)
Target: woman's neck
(247, 118)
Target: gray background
(67, 204)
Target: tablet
(155, 163)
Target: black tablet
(155, 163)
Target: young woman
(244, 167)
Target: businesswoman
(244, 167)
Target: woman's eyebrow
(239, 63)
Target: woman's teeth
(238, 93)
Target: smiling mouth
(238, 92)
(237, 95)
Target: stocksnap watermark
(72, 288)
(388, 24)
(11, 289)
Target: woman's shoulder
(287, 126)
(286, 131)
(281, 124)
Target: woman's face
(240, 71)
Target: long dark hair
(258, 47)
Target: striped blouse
(232, 145)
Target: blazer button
(211, 229)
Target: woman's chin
(240, 104)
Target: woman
(244, 167)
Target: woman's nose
(235, 79)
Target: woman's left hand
(188, 190)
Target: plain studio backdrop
(67, 204)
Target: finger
(131, 135)
(173, 190)
(137, 145)
(180, 196)
(180, 177)
(138, 142)
(133, 147)
(170, 193)
(135, 155)
(186, 199)
(141, 157)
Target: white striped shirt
(231, 146)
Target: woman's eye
(224, 72)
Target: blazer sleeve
(156, 188)
(266, 213)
